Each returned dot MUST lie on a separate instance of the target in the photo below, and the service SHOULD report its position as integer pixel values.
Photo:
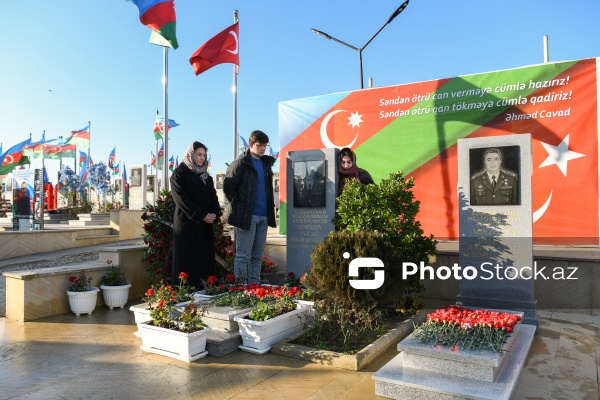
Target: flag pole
(155, 182)
(166, 107)
(29, 165)
(90, 148)
(236, 144)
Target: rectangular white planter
(182, 346)
(141, 313)
(258, 336)
(311, 305)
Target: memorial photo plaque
(309, 183)
(494, 175)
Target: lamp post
(360, 49)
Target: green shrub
(329, 274)
(388, 208)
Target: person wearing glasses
(196, 209)
(248, 186)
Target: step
(397, 380)
(73, 222)
(219, 344)
(94, 217)
(56, 217)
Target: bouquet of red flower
(162, 298)
(212, 285)
(267, 266)
(472, 329)
(292, 280)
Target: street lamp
(360, 49)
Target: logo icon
(365, 262)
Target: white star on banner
(559, 155)
(355, 119)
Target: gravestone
(312, 182)
(495, 245)
(137, 190)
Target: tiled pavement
(98, 357)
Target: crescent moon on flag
(540, 211)
(237, 46)
(8, 160)
(325, 137)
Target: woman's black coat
(193, 239)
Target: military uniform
(505, 192)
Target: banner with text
(414, 128)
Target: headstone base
(398, 381)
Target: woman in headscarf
(196, 208)
(349, 170)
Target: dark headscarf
(348, 173)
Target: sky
(67, 62)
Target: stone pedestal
(312, 180)
(496, 225)
(422, 371)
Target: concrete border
(354, 362)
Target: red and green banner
(414, 128)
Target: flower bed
(467, 328)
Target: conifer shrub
(389, 208)
(377, 220)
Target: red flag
(222, 48)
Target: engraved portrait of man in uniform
(309, 183)
(494, 178)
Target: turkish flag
(221, 48)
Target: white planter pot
(115, 296)
(141, 313)
(167, 342)
(83, 302)
(309, 304)
(258, 336)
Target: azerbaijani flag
(125, 187)
(38, 149)
(272, 153)
(82, 158)
(152, 158)
(13, 157)
(246, 145)
(161, 156)
(116, 170)
(111, 158)
(171, 163)
(159, 15)
(80, 137)
(83, 174)
(61, 151)
(159, 127)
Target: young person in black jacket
(248, 186)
